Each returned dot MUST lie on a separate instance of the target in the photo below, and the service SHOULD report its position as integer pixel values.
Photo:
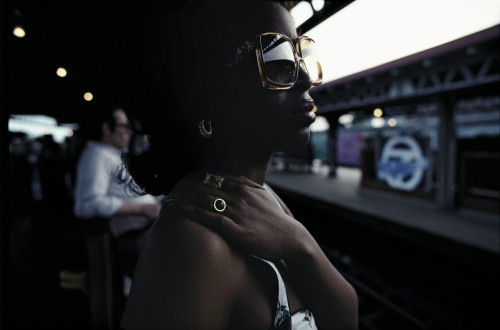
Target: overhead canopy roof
(462, 68)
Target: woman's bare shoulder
(175, 232)
(187, 273)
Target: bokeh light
(61, 72)
(19, 32)
(392, 122)
(88, 96)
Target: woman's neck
(242, 162)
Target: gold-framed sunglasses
(279, 59)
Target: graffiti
(402, 164)
(349, 146)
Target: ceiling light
(318, 4)
(88, 96)
(61, 72)
(19, 32)
(346, 119)
(377, 122)
(378, 112)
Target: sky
(369, 33)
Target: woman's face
(259, 118)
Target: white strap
(282, 297)
(274, 197)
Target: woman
(225, 252)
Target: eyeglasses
(124, 126)
(279, 59)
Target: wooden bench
(105, 282)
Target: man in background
(99, 192)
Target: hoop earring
(205, 128)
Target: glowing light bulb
(318, 4)
(61, 72)
(377, 122)
(378, 112)
(19, 32)
(392, 122)
(346, 119)
(88, 96)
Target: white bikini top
(300, 320)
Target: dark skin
(196, 271)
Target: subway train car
(399, 182)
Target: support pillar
(333, 120)
(446, 157)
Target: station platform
(468, 227)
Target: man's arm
(150, 210)
(91, 189)
(94, 175)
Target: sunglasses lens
(279, 59)
(311, 60)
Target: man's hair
(97, 113)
